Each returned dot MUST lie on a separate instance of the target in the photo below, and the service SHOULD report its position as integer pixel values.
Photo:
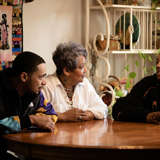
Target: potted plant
(132, 75)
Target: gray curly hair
(66, 55)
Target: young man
(21, 99)
(142, 104)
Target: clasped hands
(153, 117)
(76, 114)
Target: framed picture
(5, 33)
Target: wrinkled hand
(75, 114)
(153, 117)
(42, 122)
(86, 116)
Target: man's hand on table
(153, 117)
(43, 122)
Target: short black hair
(26, 62)
(66, 55)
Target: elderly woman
(69, 91)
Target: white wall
(48, 23)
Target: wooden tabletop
(97, 136)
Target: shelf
(134, 51)
(97, 7)
(141, 28)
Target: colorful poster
(5, 33)
(17, 31)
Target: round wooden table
(94, 139)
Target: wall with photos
(11, 31)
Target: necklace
(69, 92)
(68, 89)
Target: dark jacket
(11, 104)
(143, 99)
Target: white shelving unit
(111, 20)
(148, 20)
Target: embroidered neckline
(69, 92)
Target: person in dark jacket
(22, 105)
(142, 104)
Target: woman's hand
(86, 116)
(75, 114)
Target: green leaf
(126, 68)
(145, 70)
(150, 58)
(132, 75)
(142, 55)
(154, 68)
(128, 84)
(158, 52)
(137, 63)
(119, 93)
